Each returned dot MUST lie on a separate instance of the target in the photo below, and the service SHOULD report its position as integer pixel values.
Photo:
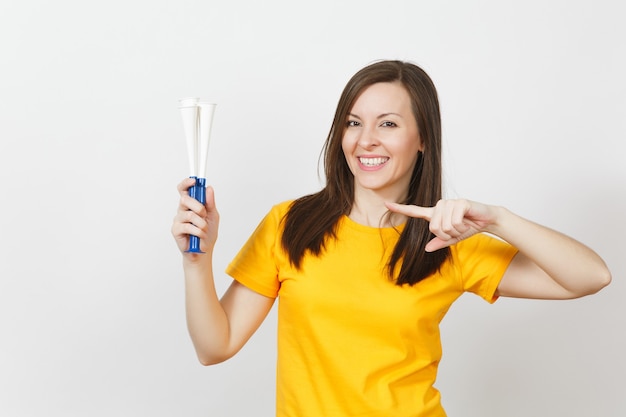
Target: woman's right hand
(193, 218)
(217, 328)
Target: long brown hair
(313, 219)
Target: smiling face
(381, 141)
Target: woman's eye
(352, 123)
(388, 124)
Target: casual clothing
(350, 341)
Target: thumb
(437, 243)
(210, 198)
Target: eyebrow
(381, 116)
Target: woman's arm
(218, 328)
(549, 265)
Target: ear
(421, 141)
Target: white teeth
(372, 162)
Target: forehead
(383, 97)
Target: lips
(373, 162)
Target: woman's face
(381, 141)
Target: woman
(366, 268)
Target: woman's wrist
(502, 221)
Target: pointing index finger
(411, 210)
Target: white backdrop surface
(91, 149)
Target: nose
(368, 138)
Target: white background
(91, 149)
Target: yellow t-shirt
(350, 341)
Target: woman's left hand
(549, 264)
(450, 220)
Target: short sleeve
(256, 265)
(483, 260)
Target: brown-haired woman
(366, 268)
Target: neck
(369, 209)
